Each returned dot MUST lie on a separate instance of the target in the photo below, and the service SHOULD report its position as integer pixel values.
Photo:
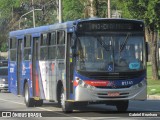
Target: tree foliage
(72, 9)
(12, 10)
(147, 10)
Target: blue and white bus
(83, 61)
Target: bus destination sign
(110, 26)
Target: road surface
(137, 109)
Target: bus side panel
(47, 82)
(50, 73)
(37, 84)
(61, 73)
(30, 83)
(26, 74)
(34, 84)
(52, 80)
(12, 77)
(43, 77)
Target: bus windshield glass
(120, 52)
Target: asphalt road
(137, 109)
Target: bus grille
(111, 87)
(113, 76)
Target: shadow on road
(103, 109)
(4, 91)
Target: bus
(79, 62)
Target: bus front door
(19, 65)
(35, 74)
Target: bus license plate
(113, 94)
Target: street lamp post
(33, 14)
(92, 9)
(27, 14)
(109, 9)
(33, 11)
(108, 13)
(60, 11)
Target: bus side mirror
(146, 48)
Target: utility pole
(33, 14)
(91, 9)
(60, 11)
(109, 9)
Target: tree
(98, 8)
(12, 10)
(6, 21)
(147, 10)
(72, 9)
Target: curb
(153, 97)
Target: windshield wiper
(124, 43)
(104, 45)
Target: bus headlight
(81, 83)
(141, 84)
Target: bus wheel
(38, 103)
(66, 106)
(122, 105)
(28, 101)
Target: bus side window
(44, 47)
(61, 44)
(52, 38)
(13, 44)
(52, 45)
(44, 39)
(61, 37)
(27, 47)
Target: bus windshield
(120, 52)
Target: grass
(153, 87)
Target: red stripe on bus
(75, 83)
(93, 83)
(97, 83)
(31, 71)
(37, 86)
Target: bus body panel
(12, 81)
(26, 74)
(48, 76)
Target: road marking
(12, 101)
(43, 109)
(61, 113)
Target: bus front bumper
(97, 94)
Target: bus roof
(67, 24)
(41, 29)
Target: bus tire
(122, 106)
(66, 106)
(38, 103)
(28, 101)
